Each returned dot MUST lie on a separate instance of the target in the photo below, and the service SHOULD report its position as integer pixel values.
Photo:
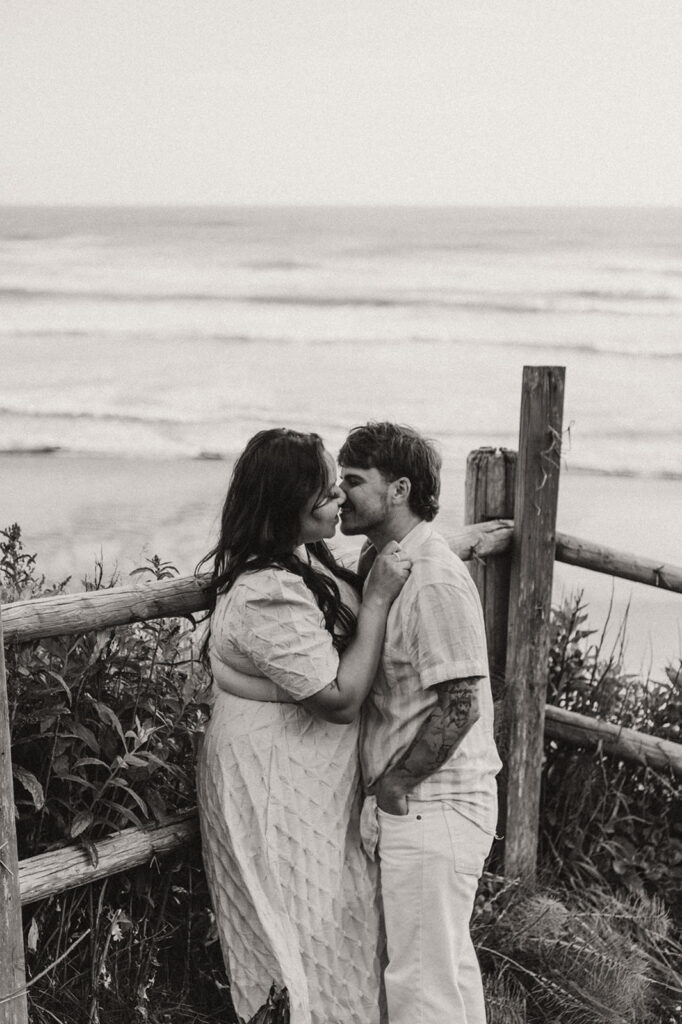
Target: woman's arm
(342, 699)
(241, 684)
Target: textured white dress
(295, 897)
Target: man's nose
(340, 495)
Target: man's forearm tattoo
(450, 720)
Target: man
(428, 755)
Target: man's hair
(396, 451)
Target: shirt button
(419, 817)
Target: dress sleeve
(446, 634)
(282, 631)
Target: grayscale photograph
(314, 314)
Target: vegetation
(104, 733)
(105, 728)
(607, 820)
(599, 939)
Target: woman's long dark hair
(275, 476)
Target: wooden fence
(511, 545)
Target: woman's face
(321, 513)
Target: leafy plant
(105, 727)
(604, 820)
(18, 579)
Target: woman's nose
(340, 495)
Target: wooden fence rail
(48, 874)
(186, 596)
(600, 558)
(628, 744)
(101, 609)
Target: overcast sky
(341, 101)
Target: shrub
(105, 728)
(605, 820)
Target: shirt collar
(417, 536)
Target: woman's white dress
(295, 897)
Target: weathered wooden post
(489, 494)
(13, 1007)
(530, 596)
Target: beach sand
(75, 510)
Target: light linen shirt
(435, 632)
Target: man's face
(366, 505)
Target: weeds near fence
(604, 820)
(576, 957)
(599, 939)
(105, 728)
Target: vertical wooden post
(13, 1010)
(489, 494)
(530, 596)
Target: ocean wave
(62, 334)
(308, 301)
(596, 348)
(279, 265)
(566, 303)
(38, 449)
(85, 295)
(673, 351)
(70, 452)
(25, 236)
(608, 347)
(625, 472)
(561, 303)
(165, 454)
(102, 417)
(116, 334)
(229, 454)
(619, 295)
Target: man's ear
(401, 490)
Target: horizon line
(232, 204)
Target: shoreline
(74, 510)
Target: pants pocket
(470, 843)
(390, 817)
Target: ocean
(148, 344)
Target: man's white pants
(431, 860)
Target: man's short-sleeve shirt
(435, 632)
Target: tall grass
(105, 727)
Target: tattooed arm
(451, 718)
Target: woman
(278, 783)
